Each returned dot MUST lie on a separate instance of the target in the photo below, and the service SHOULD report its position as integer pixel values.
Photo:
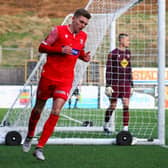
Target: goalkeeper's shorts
(121, 91)
(53, 89)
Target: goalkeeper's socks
(34, 118)
(48, 129)
(125, 117)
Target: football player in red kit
(64, 45)
(119, 83)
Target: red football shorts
(48, 88)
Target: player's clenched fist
(108, 91)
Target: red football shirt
(60, 67)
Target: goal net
(83, 124)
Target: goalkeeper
(119, 83)
(64, 45)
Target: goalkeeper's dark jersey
(118, 68)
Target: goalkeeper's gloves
(108, 91)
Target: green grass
(78, 156)
(2, 112)
(13, 35)
(22, 32)
(142, 123)
(86, 156)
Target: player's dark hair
(82, 12)
(122, 35)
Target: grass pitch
(86, 156)
(70, 156)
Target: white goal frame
(80, 65)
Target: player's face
(125, 42)
(79, 23)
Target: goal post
(144, 21)
(161, 69)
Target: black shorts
(76, 92)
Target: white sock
(106, 125)
(125, 128)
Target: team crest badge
(124, 63)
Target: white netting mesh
(109, 18)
